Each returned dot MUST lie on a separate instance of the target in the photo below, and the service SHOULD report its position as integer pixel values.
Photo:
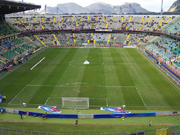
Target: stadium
(114, 73)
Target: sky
(150, 5)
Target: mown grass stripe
(123, 75)
(72, 76)
(54, 76)
(161, 84)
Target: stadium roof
(7, 6)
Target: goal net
(75, 102)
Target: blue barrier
(67, 116)
(96, 116)
(1, 100)
(151, 55)
(63, 116)
(140, 114)
(103, 116)
(170, 71)
(156, 62)
(4, 110)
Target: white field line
(140, 96)
(117, 50)
(120, 63)
(106, 102)
(95, 63)
(49, 98)
(119, 86)
(73, 86)
(66, 85)
(37, 63)
(168, 80)
(28, 104)
(98, 106)
(46, 101)
(45, 85)
(17, 95)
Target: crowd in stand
(163, 47)
(87, 22)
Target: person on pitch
(150, 124)
(76, 123)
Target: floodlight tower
(121, 10)
(161, 7)
(57, 10)
(129, 8)
(45, 9)
(23, 11)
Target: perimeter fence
(173, 130)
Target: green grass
(122, 76)
(87, 125)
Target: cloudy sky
(151, 5)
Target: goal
(75, 102)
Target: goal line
(93, 102)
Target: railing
(173, 130)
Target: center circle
(80, 63)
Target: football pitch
(113, 77)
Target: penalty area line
(37, 63)
(140, 96)
(46, 101)
(17, 95)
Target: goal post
(75, 102)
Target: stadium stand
(54, 30)
(72, 22)
(177, 64)
(5, 29)
(148, 32)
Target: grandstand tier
(156, 34)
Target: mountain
(175, 7)
(65, 8)
(98, 7)
(107, 8)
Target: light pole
(161, 7)
(121, 10)
(57, 10)
(129, 8)
(45, 9)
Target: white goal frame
(75, 102)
